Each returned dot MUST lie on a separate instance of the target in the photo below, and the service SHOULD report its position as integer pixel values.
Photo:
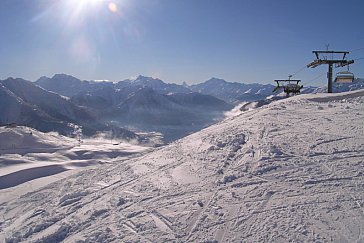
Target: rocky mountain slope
(27, 104)
(233, 92)
(143, 103)
(69, 86)
(153, 83)
(175, 115)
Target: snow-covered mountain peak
(215, 81)
(143, 80)
(232, 91)
(65, 77)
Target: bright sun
(81, 7)
(112, 6)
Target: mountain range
(143, 103)
(233, 92)
(140, 104)
(230, 92)
(25, 103)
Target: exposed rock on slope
(28, 104)
(233, 92)
(69, 86)
(145, 103)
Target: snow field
(290, 171)
(30, 159)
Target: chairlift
(293, 88)
(289, 86)
(344, 77)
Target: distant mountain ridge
(153, 83)
(174, 114)
(233, 92)
(143, 103)
(68, 85)
(357, 84)
(27, 104)
(219, 88)
(150, 104)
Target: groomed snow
(289, 171)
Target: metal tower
(339, 62)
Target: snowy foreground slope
(30, 159)
(288, 171)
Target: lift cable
(357, 49)
(360, 58)
(300, 70)
(344, 57)
(317, 77)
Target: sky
(250, 41)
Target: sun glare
(113, 7)
(91, 1)
(85, 5)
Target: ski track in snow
(291, 171)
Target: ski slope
(289, 171)
(28, 155)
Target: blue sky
(177, 40)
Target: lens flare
(82, 50)
(113, 7)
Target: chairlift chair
(293, 88)
(344, 77)
(289, 86)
